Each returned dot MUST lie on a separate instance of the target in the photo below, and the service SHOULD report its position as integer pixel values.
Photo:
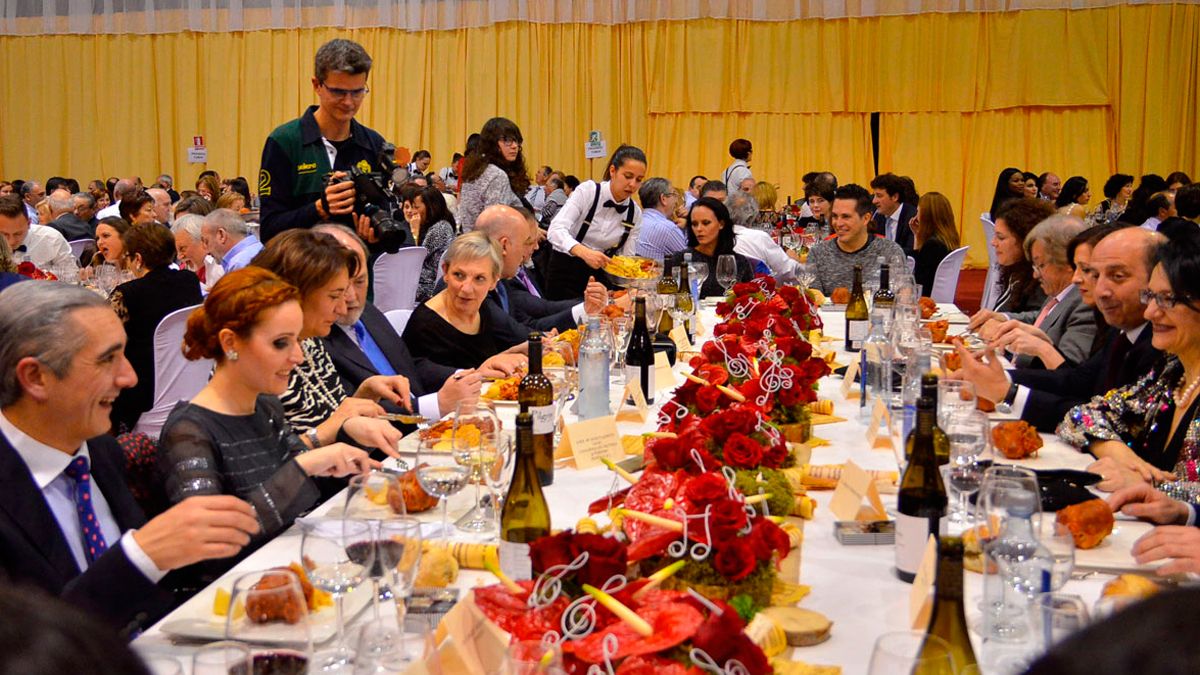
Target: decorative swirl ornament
(697, 551)
(548, 586)
(704, 662)
(695, 454)
(608, 649)
(579, 618)
(738, 366)
(742, 310)
(665, 417)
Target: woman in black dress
(450, 327)
(934, 237)
(156, 291)
(710, 236)
(1021, 296)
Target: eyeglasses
(343, 93)
(1165, 300)
(509, 140)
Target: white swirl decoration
(699, 550)
(579, 618)
(608, 649)
(706, 663)
(738, 366)
(742, 310)
(548, 586)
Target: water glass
(954, 396)
(907, 652)
(1057, 538)
(338, 555)
(440, 475)
(1055, 617)
(726, 271)
(968, 433)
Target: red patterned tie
(94, 545)
(1045, 312)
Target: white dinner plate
(1113, 554)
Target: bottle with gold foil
(535, 395)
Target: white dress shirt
(113, 209)
(1152, 223)
(688, 199)
(607, 225)
(891, 224)
(759, 245)
(427, 405)
(32, 214)
(47, 465)
(45, 247)
(735, 174)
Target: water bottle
(876, 368)
(1023, 568)
(593, 373)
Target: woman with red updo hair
(233, 438)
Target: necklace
(1183, 395)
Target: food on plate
(439, 568)
(972, 552)
(952, 360)
(504, 389)
(613, 311)
(470, 431)
(801, 627)
(816, 297)
(630, 267)
(1089, 522)
(826, 476)
(1130, 586)
(938, 329)
(268, 607)
(410, 498)
(840, 296)
(928, 307)
(471, 556)
(783, 666)
(1016, 440)
(553, 359)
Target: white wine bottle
(525, 517)
(941, 442)
(857, 319)
(884, 297)
(535, 395)
(948, 620)
(921, 502)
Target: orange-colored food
(503, 390)
(1016, 440)
(840, 296)
(928, 307)
(938, 329)
(1089, 522)
(267, 607)
(410, 498)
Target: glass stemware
(475, 427)
(338, 555)
(907, 652)
(726, 271)
(1057, 539)
(622, 327)
(968, 434)
(500, 474)
(954, 396)
(1055, 617)
(269, 613)
(222, 658)
(697, 275)
(440, 474)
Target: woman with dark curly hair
(494, 172)
(1021, 297)
(1117, 191)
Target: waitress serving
(599, 220)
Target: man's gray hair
(189, 223)
(86, 198)
(342, 56)
(475, 245)
(123, 189)
(330, 228)
(166, 180)
(228, 220)
(35, 320)
(652, 191)
(1055, 233)
(743, 209)
(60, 204)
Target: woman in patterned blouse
(433, 226)
(493, 173)
(1142, 431)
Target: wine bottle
(921, 502)
(948, 620)
(857, 319)
(639, 359)
(685, 286)
(941, 442)
(668, 287)
(536, 397)
(525, 516)
(884, 297)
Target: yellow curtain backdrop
(961, 94)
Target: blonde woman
(934, 236)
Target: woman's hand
(1180, 542)
(1145, 503)
(392, 388)
(1115, 476)
(338, 459)
(374, 433)
(983, 316)
(1127, 459)
(594, 259)
(503, 365)
(461, 386)
(354, 407)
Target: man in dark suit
(364, 344)
(68, 522)
(891, 214)
(62, 213)
(1123, 261)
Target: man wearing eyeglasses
(299, 155)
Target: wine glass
(684, 309)
(698, 274)
(1055, 617)
(622, 327)
(398, 554)
(532, 657)
(374, 495)
(269, 612)
(475, 422)
(338, 555)
(500, 474)
(726, 271)
(954, 396)
(439, 473)
(967, 432)
(383, 648)
(222, 658)
(1057, 539)
(1003, 608)
(906, 652)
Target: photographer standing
(306, 162)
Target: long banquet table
(855, 586)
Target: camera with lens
(375, 198)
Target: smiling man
(299, 155)
(833, 260)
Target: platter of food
(634, 272)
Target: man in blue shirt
(660, 236)
(227, 237)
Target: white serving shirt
(45, 247)
(760, 246)
(607, 225)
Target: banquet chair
(912, 264)
(78, 246)
(175, 378)
(945, 279)
(396, 277)
(399, 319)
(993, 274)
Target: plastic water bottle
(593, 373)
(876, 367)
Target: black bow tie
(21, 249)
(619, 208)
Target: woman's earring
(232, 355)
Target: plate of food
(634, 272)
(204, 615)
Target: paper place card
(849, 391)
(880, 417)
(475, 640)
(920, 599)
(854, 486)
(680, 337)
(664, 377)
(640, 410)
(592, 440)
(697, 326)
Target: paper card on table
(640, 410)
(880, 417)
(697, 327)
(664, 377)
(679, 336)
(855, 485)
(592, 440)
(849, 390)
(920, 599)
(477, 640)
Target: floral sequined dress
(1140, 416)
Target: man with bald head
(1121, 263)
(124, 189)
(516, 235)
(162, 205)
(64, 219)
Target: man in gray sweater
(832, 261)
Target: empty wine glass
(374, 495)
(478, 456)
(907, 652)
(222, 658)
(500, 474)
(622, 327)
(726, 271)
(398, 553)
(1055, 617)
(968, 434)
(338, 555)
(684, 309)
(440, 475)
(268, 612)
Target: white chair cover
(912, 264)
(396, 277)
(990, 296)
(175, 378)
(78, 245)
(945, 279)
(399, 319)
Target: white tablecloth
(855, 586)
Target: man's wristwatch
(1011, 395)
(313, 438)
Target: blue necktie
(374, 354)
(94, 545)
(503, 293)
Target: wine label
(515, 561)
(543, 419)
(856, 332)
(634, 374)
(911, 534)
